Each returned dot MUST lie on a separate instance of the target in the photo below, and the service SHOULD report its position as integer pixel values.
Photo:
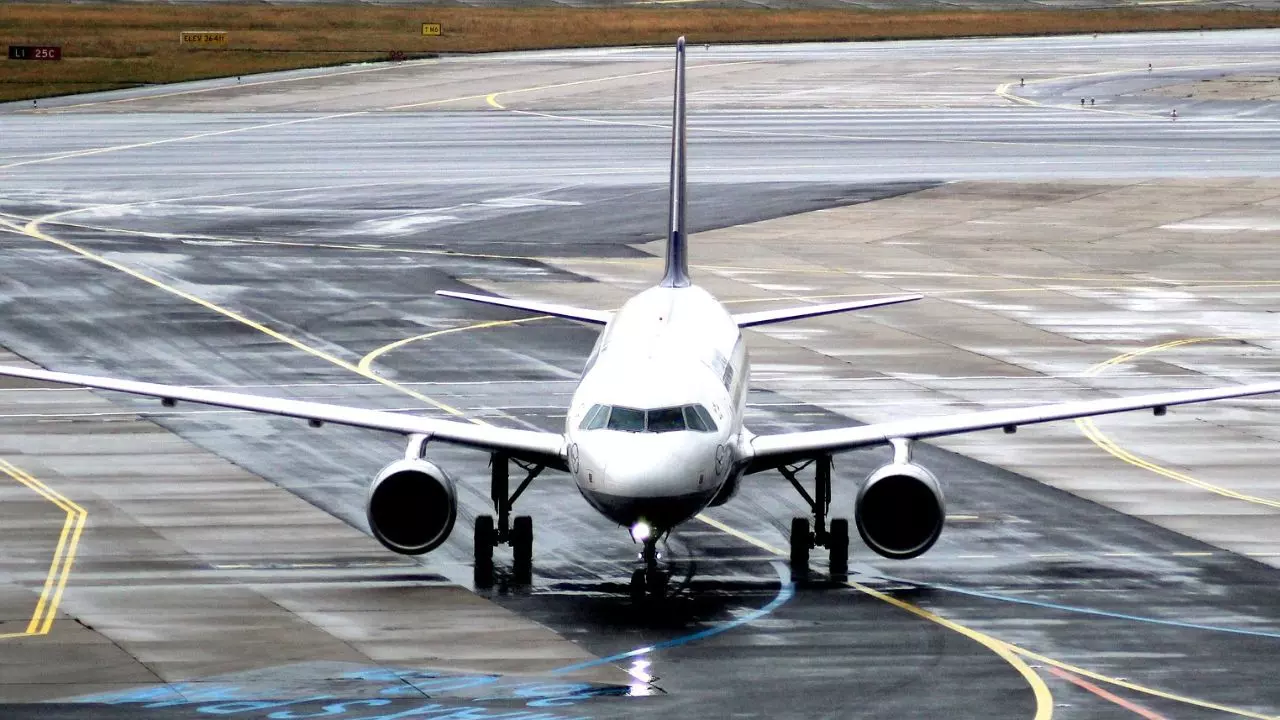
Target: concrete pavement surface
(1098, 571)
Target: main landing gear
(835, 538)
(649, 581)
(517, 532)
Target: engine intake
(412, 506)
(900, 511)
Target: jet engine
(900, 510)
(411, 507)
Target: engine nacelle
(900, 511)
(412, 506)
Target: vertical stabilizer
(677, 274)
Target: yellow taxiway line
(1097, 437)
(64, 554)
(71, 530)
(32, 229)
(1016, 656)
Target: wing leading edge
(544, 448)
(770, 451)
(768, 317)
(594, 317)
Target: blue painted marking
(1096, 612)
(786, 591)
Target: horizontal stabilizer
(595, 317)
(768, 317)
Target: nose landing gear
(649, 581)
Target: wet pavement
(224, 569)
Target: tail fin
(677, 274)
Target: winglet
(677, 274)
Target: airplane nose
(660, 466)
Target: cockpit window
(626, 420)
(694, 420)
(595, 418)
(658, 420)
(666, 420)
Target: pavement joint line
(1043, 697)
(182, 138)
(1100, 439)
(32, 229)
(61, 109)
(1005, 650)
(491, 98)
(884, 139)
(1270, 634)
(333, 116)
(1138, 283)
(46, 609)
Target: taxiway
(286, 235)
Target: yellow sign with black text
(430, 28)
(203, 37)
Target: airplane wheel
(522, 550)
(838, 543)
(657, 582)
(637, 586)
(484, 540)
(800, 542)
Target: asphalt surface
(335, 229)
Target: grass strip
(108, 46)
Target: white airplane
(654, 433)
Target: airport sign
(35, 52)
(203, 37)
(430, 28)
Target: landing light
(641, 531)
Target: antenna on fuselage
(677, 274)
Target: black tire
(838, 544)
(638, 586)
(800, 543)
(522, 550)
(657, 582)
(484, 540)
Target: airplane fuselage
(654, 426)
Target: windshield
(657, 420)
(626, 420)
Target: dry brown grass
(110, 46)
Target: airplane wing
(543, 448)
(771, 451)
(768, 317)
(595, 317)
